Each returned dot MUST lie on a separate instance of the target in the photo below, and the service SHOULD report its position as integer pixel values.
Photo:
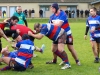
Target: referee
(21, 16)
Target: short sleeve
(63, 17)
(44, 30)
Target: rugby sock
(55, 58)
(97, 58)
(41, 50)
(5, 68)
(62, 55)
(77, 61)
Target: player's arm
(37, 36)
(25, 21)
(86, 30)
(3, 35)
(14, 45)
(6, 20)
(60, 21)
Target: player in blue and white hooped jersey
(56, 34)
(59, 18)
(24, 54)
(93, 21)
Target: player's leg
(61, 53)
(0, 45)
(41, 50)
(6, 60)
(98, 49)
(70, 46)
(54, 48)
(98, 45)
(0, 49)
(94, 48)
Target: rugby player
(93, 21)
(56, 34)
(60, 19)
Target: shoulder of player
(62, 12)
(98, 16)
(89, 18)
(51, 15)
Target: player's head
(14, 20)
(37, 27)
(54, 7)
(25, 37)
(16, 37)
(5, 51)
(19, 9)
(93, 11)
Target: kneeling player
(24, 55)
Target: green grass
(82, 47)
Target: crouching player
(6, 53)
(55, 33)
(24, 55)
(17, 38)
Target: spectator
(41, 13)
(73, 13)
(77, 12)
(81, 12)
(4, 13)
(25, 12)
(32, 13)
(66, 11)
(85, 13)
(98, 12)
(88, 13)
(0, 13)
(69, 14)
(29, 13)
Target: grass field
(82, 47)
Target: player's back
(23, 29)
(2, 26)
(53, 31)
(25, 52)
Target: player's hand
(34, 31)
(9, 40)
(30, 33)
(85, 37)
(7, 47)
(18, 31)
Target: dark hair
(15, 35)
(36, 25)
(25, 36)
(94, 8)
(56, 6)
(14, 18)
